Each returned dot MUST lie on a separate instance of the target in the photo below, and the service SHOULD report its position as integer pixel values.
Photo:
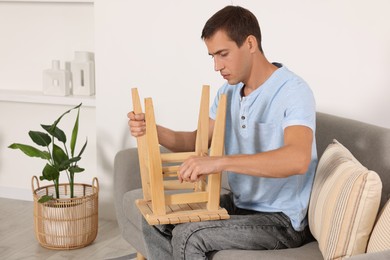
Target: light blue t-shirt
(255, 124)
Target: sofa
(369, 144)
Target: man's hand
(136, 124)
(195, 166)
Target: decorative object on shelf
(83, 74)
(66, 214)
(56, 81)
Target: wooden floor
(17, 240)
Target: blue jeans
(246, 230)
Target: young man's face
(231, 61)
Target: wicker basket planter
(66, 223)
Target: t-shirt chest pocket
(266, 136)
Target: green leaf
(74, 133)
(63, 165)
(56, 132)
(31, 151)
(82, 149)
(59, 119)
(45, 198)
(49, 173)
(67, 163)
(40, 138)
(75, 169)
(75, 159)
(59, 156)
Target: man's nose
(217, 64)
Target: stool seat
(180, 213)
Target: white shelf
(37, 97)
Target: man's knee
(188, 240)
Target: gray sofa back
(369, 144)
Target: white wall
(34, 34)
(342, 48)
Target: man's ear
(252, 43)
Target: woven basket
(66, 223)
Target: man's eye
(224, 54)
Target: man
(270, 150)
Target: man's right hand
(136, 124)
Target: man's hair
(237, 22)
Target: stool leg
(140, 257)
(142, 149)
(202, 133)
(216, 149)
(154, 157)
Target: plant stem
(56, 186)
(71, 182)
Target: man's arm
(176, 141)
(291, 159)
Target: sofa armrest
(126, 177)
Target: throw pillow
(344, 203)
(380, 237)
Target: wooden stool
(166, 200)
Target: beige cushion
(380, 237)
(344, 203)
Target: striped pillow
(380, 237)
(343, 204)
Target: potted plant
(65, 214)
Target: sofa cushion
(343, 204)
(380, 237)
(130, 210)
(308, 251)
